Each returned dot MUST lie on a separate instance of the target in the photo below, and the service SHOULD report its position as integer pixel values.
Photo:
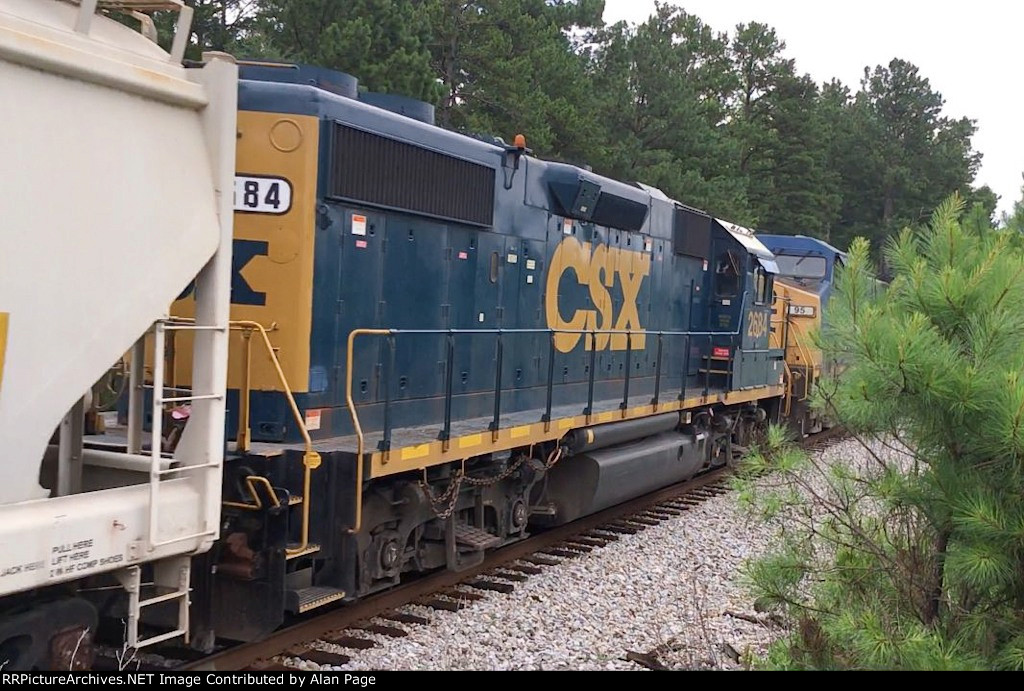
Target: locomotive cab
(805, 262)
(740, 289)
(807, 269)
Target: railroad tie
(447, 605)
(391, 631)
(346, 641)
(492, 585)
(643, 520)
(405, 618)
(578, 546)
(466, 595)
(678, 504)
(563, 553)
(602, 534)
(541, 560)
(523, 568)
(322, 657)
(507, 575)
(592, 541)
(619, 528)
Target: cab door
(757, 322)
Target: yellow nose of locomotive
(796, 317)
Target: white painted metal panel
(109, 209)
(61, 539)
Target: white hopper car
(116, 185)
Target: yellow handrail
(806, 355)
(251, 481)
(310, 459)
(350, 404)
(244, 438)
(355, 419)
(789, 388)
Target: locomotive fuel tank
(602, 476)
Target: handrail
(806, 355)
(243, 440)
(310, 458)
(355, 420)
(87, 10)
(788, 397)
(251, 481)
(592, 333)
(783, 342)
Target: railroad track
(355, 627)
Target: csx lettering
(757, 324)
(597, 269)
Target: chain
(449, 497)
(553, 458)
(488, 481)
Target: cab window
(727, 275)
(760, 286)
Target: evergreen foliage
(914, 558)
(1015, 219)
(722, 121)
(382, 42)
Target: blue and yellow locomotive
(444, 341)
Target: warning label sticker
(312, 420)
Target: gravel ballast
(671, 592)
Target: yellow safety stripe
(433, 453)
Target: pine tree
(914, 559)
(515, 66)
(782, 139)
(1015, 219)
(897, 154)
(381, 42)
(663, 89)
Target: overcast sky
(971, 52)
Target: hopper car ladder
(171, 575)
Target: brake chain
(450, 496)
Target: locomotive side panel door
(487, 313)
(414, 295)
(660, 314)
(527, 368)
(359, 307)
(757, 329)
(468, 263)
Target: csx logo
(242, 252)
(597, 269)
(757, 324)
